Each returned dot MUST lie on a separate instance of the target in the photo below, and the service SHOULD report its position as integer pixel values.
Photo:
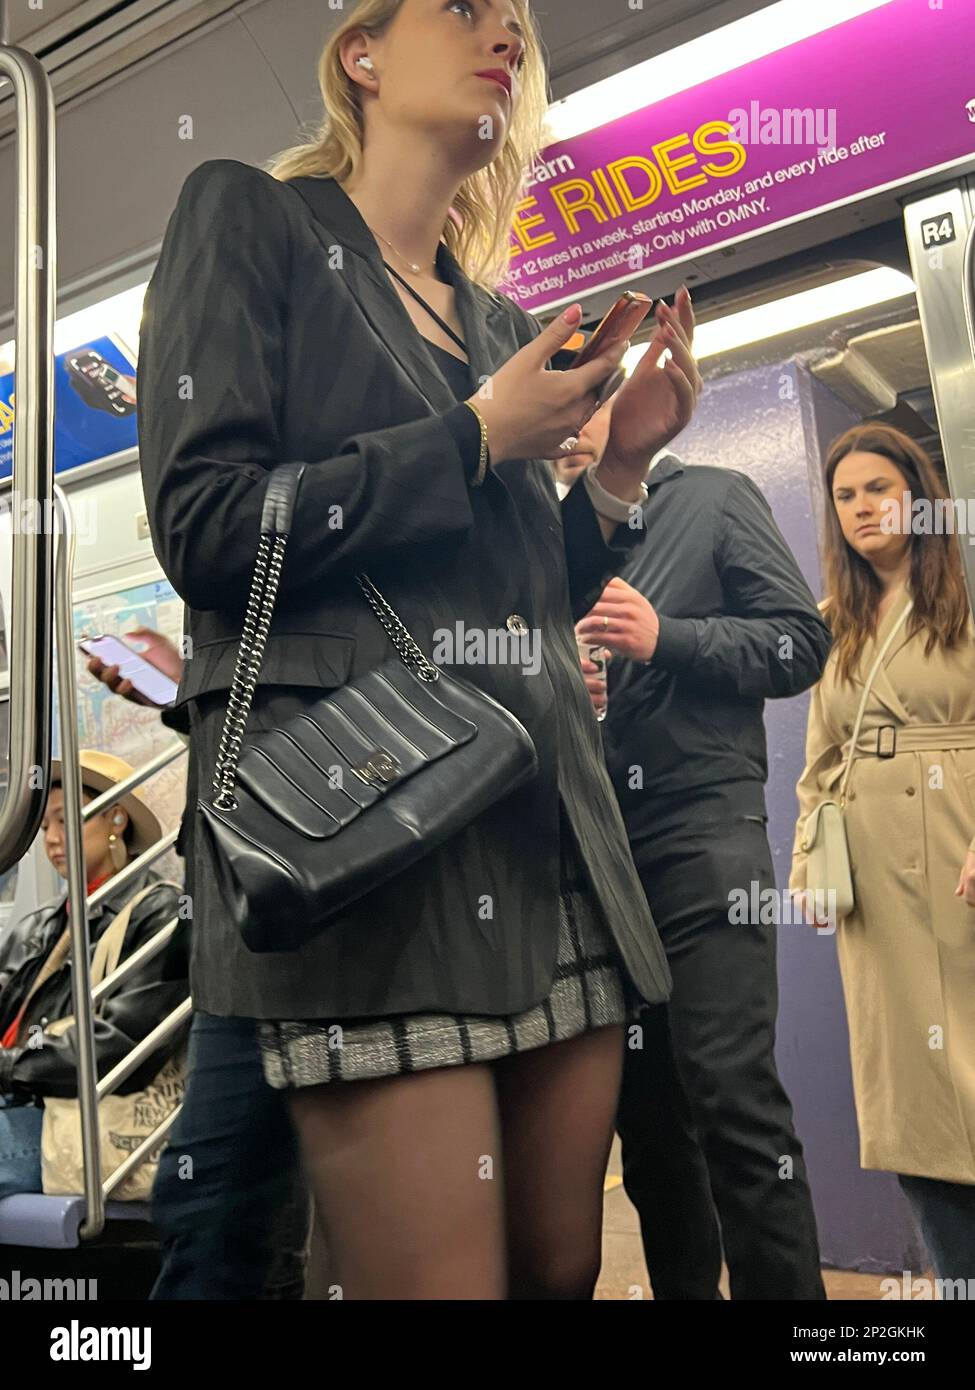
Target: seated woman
(35, 972)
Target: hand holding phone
(617, 326)
(530, 410)
(150, 685)
(622, 321)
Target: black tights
(469, 1182)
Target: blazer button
(910, 791)
(516, 623)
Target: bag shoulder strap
(866, 695)
(276, 520)
(108, 948)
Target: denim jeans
(20, 1148)
(945, 1212)
(229, 1202)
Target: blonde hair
(486, 200)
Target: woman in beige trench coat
(907, 951)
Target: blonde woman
(342, 312)
(907, 951)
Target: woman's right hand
(530, 411)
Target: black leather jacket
(127, 1016)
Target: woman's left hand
(966, 880)
(655, 403)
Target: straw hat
(99, 771)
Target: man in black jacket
(713, 617)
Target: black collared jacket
(128, 1015)
(738, 626)
(272, 333)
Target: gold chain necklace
(416, 269)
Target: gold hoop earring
(116, 848)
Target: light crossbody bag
(828, 875)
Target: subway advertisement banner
(870, 103)
(94, 406)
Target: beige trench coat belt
(890, 739)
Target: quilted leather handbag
(304, 819)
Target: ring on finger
(569, 444)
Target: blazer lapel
(337, 219)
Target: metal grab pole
(77, 886)
(968, 284)
(33, 545)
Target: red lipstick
(498, 75)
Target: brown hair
(937, 585)
(485, 202)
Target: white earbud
(366, 63)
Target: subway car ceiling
(245, 73)
(242, 72)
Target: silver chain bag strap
(304, 819)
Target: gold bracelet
(483, 461)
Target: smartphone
(149, 682)
(620, 323)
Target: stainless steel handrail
(33, 449)
(968, 284)
(136, 960)
(78, 903)
(131, 1061)
(139, 1155)
(90, 1090)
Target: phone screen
(132, 667)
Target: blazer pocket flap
(290, 658)
(341, 755)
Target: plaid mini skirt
(589, 991)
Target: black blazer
(271, 332)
